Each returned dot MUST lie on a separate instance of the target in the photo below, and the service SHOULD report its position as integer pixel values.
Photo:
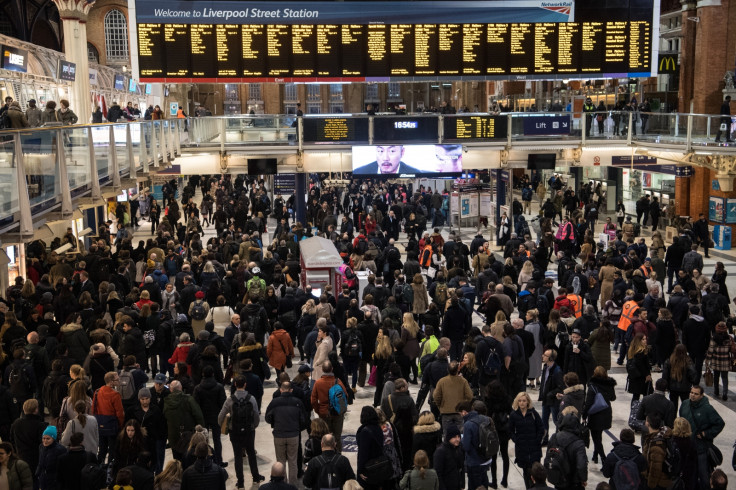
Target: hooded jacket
(74, 336)
(655, 452)
(703, 418)
(181, 410)
(204, 473)
(623, 451)
(210, 395)
(567, 437)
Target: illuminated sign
(67, 71)
(15, 59)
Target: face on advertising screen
(449, 158)
(389, 158)
(407, 159)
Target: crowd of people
(114, 352)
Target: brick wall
(96, 25)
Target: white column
(73, 15)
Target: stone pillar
(74, 15)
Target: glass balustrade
(76, 155)
(8, 180)
(121, 148)
(40, 161)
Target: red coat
(320, 394)
(279, 346)
(180, 355)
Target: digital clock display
(405, 128)
(406, 125)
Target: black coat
(204, 474)
(343, 470)
(659, 404)
(607, 388)
(581, 363)
(623, 451)
(637, 380)
(210, 395)
(527, 432)
(134, 345)
(427, 438)
(25, 433)
(286, 415)
(70, 468)
(142, 477)
(553, 385)
(449, 463)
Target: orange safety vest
(577, 304)
(180, 114)
(426, 258)
(627, 316)
(644, 271)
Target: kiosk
(320, 264)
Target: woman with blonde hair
(469, 371)
(200, 435)
(422, 476)
(682, 437)
(637, 366)
(77, 392)
(427, 435)
(313, 446)
(526, 430)
(170, 478)
(382, 359)
(421, 299)
(410, 337)
(497, 325)
(525, 275)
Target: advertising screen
(67, 71)
(119, 82)
(15, 59)
(407, 160)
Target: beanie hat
(50, 431)
(452, 431)
(199, 295)
(144, 393)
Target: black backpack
(353, 347)
(241, 420)
(95, 476)
(557, 464)
(493, 364)
(198, 311)
(488, 442)
(328, 479)
(20, 384)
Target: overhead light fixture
(63, 248)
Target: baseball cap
(160, 378)
(305, 368)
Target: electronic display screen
(15, 59)
(478, 127)
(284, 52)
(405, 128)
(334, 129)
(67, 71)
(262, 166)
(407, 160)
(119, 82)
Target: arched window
(116, 36)
(92, 55)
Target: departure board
(475, 127)
(334, 129)
(380, 52)
(387, 129)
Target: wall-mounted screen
(119, 82)
(541, 161)
(262, 166)
(407, 160)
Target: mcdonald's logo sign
(668, 64)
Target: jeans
(548, 410)
(477, 476)
(247, 443)
(724, 378)
(703, 469)
(106, 443)
(335, 426)
(286, 451)
(160, 455)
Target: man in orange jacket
(321, 402)
(107, 407)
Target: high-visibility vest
(180, 114)
(577, 304)
(426, 258)
(644, 270)
(627, 314)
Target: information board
(376, 41)
(334, 129)
(478, 127)
(405, 129)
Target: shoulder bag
(599, 403)
(286, 354)
(378, 469)
(107, 425)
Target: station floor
(364, 396)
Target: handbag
(431, 272)
(599, 403)
(715, 456)
(286, 354)
(372, 377)
(708, 376)
(378, 469)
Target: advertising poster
(474, 206)
(465, 206)
(485, 205)
(717, 209)
(731, 211)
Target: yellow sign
(668, 64)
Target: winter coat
(134, 345)
(568, 437)
(411, 344)
(278, 348)
(449, 463)
(99, 365)
(204, 473)
(74, 336)
(180, 355)
(107, 401)
(24, 435)
(210, 396)
(48, 465)
(703, 418)
(606, 387)
(286, 415)
(655, 452)
(90, 431)
(657, 403)
(580, 363)
(421, 301)
(320, 356)
(413, 481)
(527, 432)
(450, 391)
(181, 410)
(600, 349)
(20, 475)
(427, 438)
(256, 353)
(637, 380)
(573, 396)
(688, 378)
(718, 357)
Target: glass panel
(8, 180)
(135, 136)
(76, 153)
(40, 163)
(101, 140)
(156, 150)
(121, 148)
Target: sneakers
(258, 479)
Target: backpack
(488, 443)
(557, 465)
(362, 246)
(712, 312)
(542, 305)
(672, 460)
(257, 286)
(425, 360)
(353, 347)
(493, 364)
(95, 476)
(408, 294)
(338, 400)
(328, 479)
(198, 311)
(526, 194)
(20, 384)
(149, 337)
(625, 473)
(562, 337)
(127, 385)
(241, 420)
(426, 257)
(398, 293)
(440, 294)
